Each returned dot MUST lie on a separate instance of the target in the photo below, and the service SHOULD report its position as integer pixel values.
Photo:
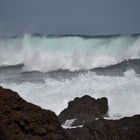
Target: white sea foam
(73, 53)
(123, 93)
(68, 124)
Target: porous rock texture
(20, 120)
(123, 129)
(84, 110)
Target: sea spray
(70, 52)
(122, 92)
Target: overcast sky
(87, 17)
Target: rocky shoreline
(20, 120)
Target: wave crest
(72, 53)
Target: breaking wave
(122, 92)
(50, 71)
(67, 52)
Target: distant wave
(73, 53)
(112, 70)
(69, 35)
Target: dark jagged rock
(123, 129)
(102, 104)
(84, 110)
(79, 134)
(129, 122)
(20, 120)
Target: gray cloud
(88, 17)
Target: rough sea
(52, 70)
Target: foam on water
(73, 53)
(68, 124)
(123, 93)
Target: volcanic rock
(84, 110)
(20, 120)
(123, 129)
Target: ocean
(49, 71)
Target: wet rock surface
(84, 110)
(123, 129)
(20, 120)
